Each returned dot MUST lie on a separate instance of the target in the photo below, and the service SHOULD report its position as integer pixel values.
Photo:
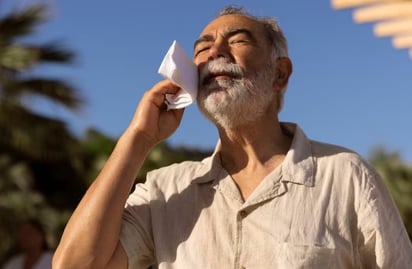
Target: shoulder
(348, 170)
(179, 175)
(319, 157)
(178, 169)
(338, 156)
(345, 167)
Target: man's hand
(152, 119)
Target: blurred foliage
(50, 191)
(96, 149)
(24, 132)
(20, 200)
(40, 175)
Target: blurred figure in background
(34, 251)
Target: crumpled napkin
(179, 68)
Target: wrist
(138, 140)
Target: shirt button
(243, 214)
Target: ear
(283, 72)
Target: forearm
(92, 232)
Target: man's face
(239, 39)
(236, 70)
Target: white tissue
(179, 68)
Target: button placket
(241, 215)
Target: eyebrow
(228, 33)
(205, 38)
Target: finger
(166, 87)
(158, 93)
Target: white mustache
(220, 65)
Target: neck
(253, 146)
(249, 153)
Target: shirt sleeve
(136, 232)
(383, 240)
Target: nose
(219, 49)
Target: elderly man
(268, 197)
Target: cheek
(252, 62)
(200, 65)
(254, 58)
(200, 59)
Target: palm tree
(23, 131)
(38, 154)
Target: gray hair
(273, 31)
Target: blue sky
(348, 87)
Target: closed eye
(238, 41)
(200, 50)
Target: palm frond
(21, 57)
(32, 135)
(55, 52)
(21, 22)
(55, 90)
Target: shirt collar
(210, 167)
(299, 163)
(297, 167)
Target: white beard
(233, 102)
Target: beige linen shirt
(323, 207)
